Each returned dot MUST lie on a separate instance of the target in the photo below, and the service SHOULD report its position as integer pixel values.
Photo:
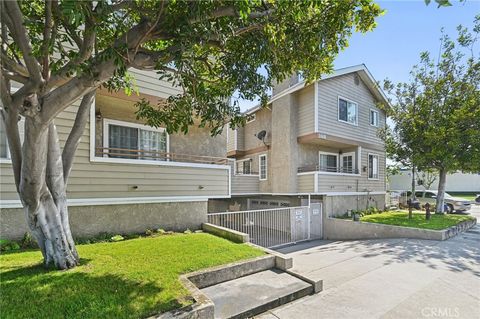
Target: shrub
(161, 231)
(28, 242)
(7, 245)
(148, 232)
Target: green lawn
(128, 279)
(400, 218)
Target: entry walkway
(395, 278)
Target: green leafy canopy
(436, 115)
(212, 50)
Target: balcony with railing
(328, 169)
(151, 155)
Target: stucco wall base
(89, 221)
(341, 229)
(339, 205)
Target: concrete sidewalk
(393, 278)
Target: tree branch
(20, 35)
(54, 173)
(68, 28)
(47, 33)
(101, 70)
(85, 53)
(14, 76)
(9, 116)
(76, 133)
(13, 66)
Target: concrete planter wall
(341, 229)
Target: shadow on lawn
(36, 292)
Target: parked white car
(453, 204)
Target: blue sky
(406, 29)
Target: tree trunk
(442, 182)
(412, 195)
(43, 193)
(50, 227)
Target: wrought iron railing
(330, 169)
(268, 227)
(157, 156)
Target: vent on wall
(356, 80)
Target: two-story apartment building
(316, 141)
(128, 177)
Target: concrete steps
(250, 295)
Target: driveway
(390, 278)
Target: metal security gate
(274, 227)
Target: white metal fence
(268, 227)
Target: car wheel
(449, 208)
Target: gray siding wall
(113, 180)
(230, 139)
(244, 184)
(240, 138)
(306, 183)
(352, 183)
(149, 83)
(306, 111)
(328, 92)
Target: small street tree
(436, 115)
(58, 51)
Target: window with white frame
(134, 141)
(347, 163)
(4, 150)
(244, 167)
(328, 162)
(374, 118)
(372, 166)
(347, 111)
(262, 166)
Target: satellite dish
(261, 135)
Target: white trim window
(374, 117)
(347, 163)
(244, 167)
(347, 111)
(328, 162)
(134, 141)
(262, 167)
(372, 166)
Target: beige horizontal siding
(352, 183)
(240, 138)
(242, 184)
(306, 111)
(148, 82)
(117, 180)
(231, 139)
(305, 183)
(328, 92)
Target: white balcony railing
(157, 156)
(330, 169)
